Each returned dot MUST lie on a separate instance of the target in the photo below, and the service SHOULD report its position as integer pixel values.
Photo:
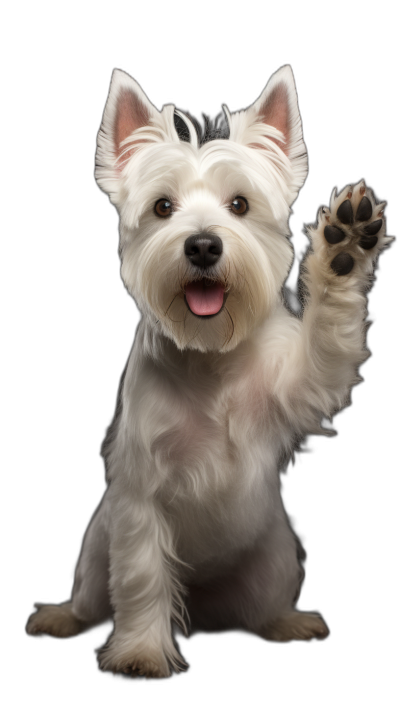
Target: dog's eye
(163, 208)
(239, 206)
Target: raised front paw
(354, 228)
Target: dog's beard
(238, 292)
(203, 315)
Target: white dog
(223, 381)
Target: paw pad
(364, 211)
(333, 234)
(350, 224)
(368, 242)
(342, 264)
(373, 228)
(345, 212)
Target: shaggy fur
(192, 526)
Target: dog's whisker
(170, 305)
(232, 325)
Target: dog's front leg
(144, 591)
(336, 275)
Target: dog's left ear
(275, 116)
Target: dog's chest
(211, 422)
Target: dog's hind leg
(90, 603)
(260, 591)
(295, 625)
(55, 620)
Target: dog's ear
(275, 116)
(277, 106)
(127, 109)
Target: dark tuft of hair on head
(211, 129)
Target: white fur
(211, 408)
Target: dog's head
(203, 219)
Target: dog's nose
(203, 249)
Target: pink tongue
(204, 299)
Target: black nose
(203, 249)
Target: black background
(75, 325)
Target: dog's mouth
(205, 298)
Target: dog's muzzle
(204, 297)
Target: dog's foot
(141, 661)
(350, 234)
(295, 626)
(146, 664)
(55, 620)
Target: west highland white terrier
(224, 380)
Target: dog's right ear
(127, 110)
